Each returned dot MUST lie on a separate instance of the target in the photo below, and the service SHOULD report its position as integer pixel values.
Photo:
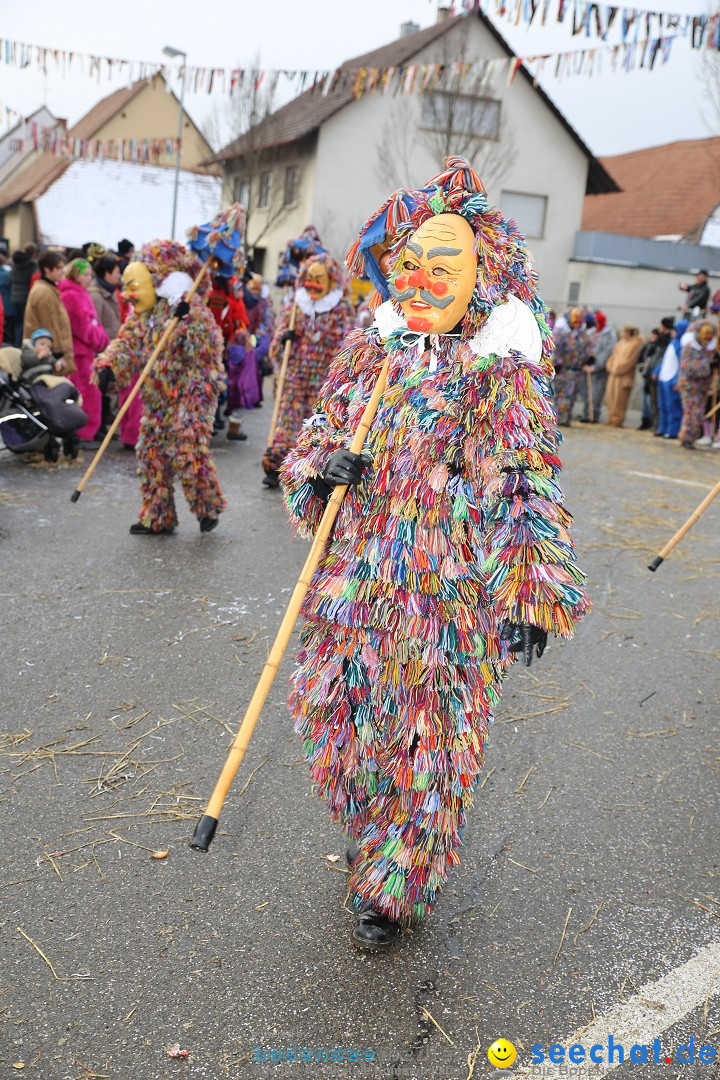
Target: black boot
(374, 932)
(352, 853)
(272, 479)
(207, 524)
(138, 529)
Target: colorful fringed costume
(457, 526)
(179, 395)
(572, 349)
(320, 326)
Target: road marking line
(655, 1008)
(670, 479)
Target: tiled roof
(667, 190)
(305, 113)
(44, 171)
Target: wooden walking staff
(685, 528)
(206, 826)
(281, 380)
(591, 403)
(167, 334)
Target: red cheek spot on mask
(419, 325)
(439, 288)
(418, 279)
(401, 283)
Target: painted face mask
(575, 318)
(317, 281)
(438, 274)
(138, 287)
(705, 334)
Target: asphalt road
(591, 865)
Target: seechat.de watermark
(614, 1053)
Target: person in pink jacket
(89, 338)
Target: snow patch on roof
(102, 201)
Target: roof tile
(667, 190)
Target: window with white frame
(264, 190)
(241, 191)
(460, 114)
(292, 183)
(528, 210)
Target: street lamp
(169, 51)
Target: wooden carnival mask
(138, 288)
(317, 281)
(438, 274)
(705, 334)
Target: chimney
(443, 13)
(408, 28)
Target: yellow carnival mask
(317, 281)
(705, 334)
(138, 287)
(438, 274)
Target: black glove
(181, 309)
(289, 335)
(522, 637)
(105, 378)
(345, 468)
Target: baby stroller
(39, 410)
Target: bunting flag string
(58, 141)
(588, 19)
(584, 18)
(645, 37)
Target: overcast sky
(612, 112)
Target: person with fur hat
(324, 315)
(621, 366)
(181, 392)
(450, 553)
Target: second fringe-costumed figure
(181, 392)
(450, 551)
(323, 317)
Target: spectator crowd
(677, 366)
(71, 301)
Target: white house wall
(630, 294)
(547, 162)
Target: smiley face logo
(502, 1054)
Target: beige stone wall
(153, 113)
(18, 225)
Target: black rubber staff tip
(75, 495)
(655, 563)
(204, 832)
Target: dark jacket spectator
(103, 293)
(698, 294)
(24, 266)
(5, 297)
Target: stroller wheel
(52, 450)
(71, 446)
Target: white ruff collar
(311, 307)
(510, 327)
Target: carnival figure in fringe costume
(181, 392)
(698, 347)
(295, 254)
(450, 551)
(573, 348)
(323, 317)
